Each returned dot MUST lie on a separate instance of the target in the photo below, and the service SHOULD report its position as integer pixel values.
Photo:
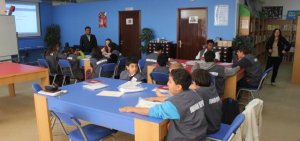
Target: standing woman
(276, 47)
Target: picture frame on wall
(193, 19)
(273, 12)
(129, 21)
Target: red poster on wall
(102, 19)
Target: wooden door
(192, 31)
(129, 30)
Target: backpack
(230, 110)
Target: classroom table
(230, 82)
(11, 73)
(100, 110)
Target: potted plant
(146, 36)
(52, 35)
(243, 40)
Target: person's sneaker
(273, 83)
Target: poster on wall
(193, 19)
(221, 15)
(102, 19)
(272, 12)
(129, 21)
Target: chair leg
(238, 93)
(252, 95)
(257, 93)
(53, 122)
(64, 79)
(53, 81)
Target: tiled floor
(281, 113)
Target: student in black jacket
(88, 40)
(276, 47)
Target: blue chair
(36, 88)
(89, 132)
(226, 132)
(107, 70)
(66, 70)
(44, 63)
(120, 66)
(159, 78)
(141, 64)
(253, 90)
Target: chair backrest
(65, 67)
(159, 77)
(121, 65)
(238, 120)
(141, 64)
(36, 87)
(264, 75)
(43, 63)
(67, 118)
(107, 68)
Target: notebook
(53, 93)
(111, 93)
(131, 86)
(146, 104)
(94, 86)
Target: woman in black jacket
(276, 47)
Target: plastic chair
(89, 132)
(66, 70)
(226, 132)
(120, 66)
(36, 88)
(159, 78)
(141, 64)
(107, 70)
(254, 90)
(44, 63)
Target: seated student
(253, 69)
(108, 50)
(209, 47)
(96, 61)
(212, 102)
(162, 61)
(151, 59)
(52, 56)
(115, 46)
(79, 53)
(132, 71)
(219, 71)
(176, 65)
(185, 109)
(72, 56)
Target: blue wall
(160, 15)
(45, 19)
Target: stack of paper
(53, 93)
(163, 89)
(146, 104)
(131, 86)
(94, 86)
(110, 93)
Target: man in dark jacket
(88, 41)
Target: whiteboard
(8, 38)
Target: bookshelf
(287, 27)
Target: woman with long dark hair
(276, 47)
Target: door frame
(140, 25)
(178, 25)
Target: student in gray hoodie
(132, 71)
(220, 72)
(212, 102)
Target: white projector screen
(27, 18)
(8, 38)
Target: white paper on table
(146, 104)
(53, 93)
(132, 89)
(95, 86)
(129, 84)
(110, 93)
(163, 91)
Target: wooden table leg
(230, 87)
(42, 118)
(150, 68)
(149, 131)
(11, 89)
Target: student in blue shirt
(132, 71)
(185, 109)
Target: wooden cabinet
(296, 64)
(168, 48)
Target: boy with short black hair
(212, 103)
(220, 72)
(253, 69)
(209, 47)
(185, 109)
(132, 71)
(152, 58)
(162, 61)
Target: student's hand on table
(157, 99)
(158, 93)
(126, 109)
